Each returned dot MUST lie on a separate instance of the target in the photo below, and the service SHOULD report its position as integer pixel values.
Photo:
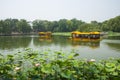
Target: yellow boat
(85, 36)
(45, 34)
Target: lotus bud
(92, 60)
(37, 64)
(17, 68)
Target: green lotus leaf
(103, 77)
(110, 65)
(118, 67)
(7, 67)
(70, 56)
(75, 55)
(81, 62)
(75, 63)
(47, 69)
(110, 69)
(52, 58)
(9, 55)
(115, 73)
(59, 53)
(66, 74)
(57, 68)
(45, 52)
(100, 66)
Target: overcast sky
(85, 10)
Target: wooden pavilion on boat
(45, 34)
(76, 35)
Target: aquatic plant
(56, 65)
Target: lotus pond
(98, 50)
(48, 65)
(58, 58)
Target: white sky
(85, 10)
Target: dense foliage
(10, 26)
(56, 65)
(112, 24)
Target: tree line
(22, 26)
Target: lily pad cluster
(56, 65)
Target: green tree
(23, 26)
(38, 25)
(1, 26)
(69, 25)
(13, 23)
(62, 25)
(54, 26)
(7, 27)
(112, 25)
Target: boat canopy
(77, 32)
(42, 32)
(94, 32)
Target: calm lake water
(104, 49)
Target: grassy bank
(113, 34)
(69, 33)
(62, 33)
(56, 65)
(19, 34)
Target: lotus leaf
(110, 65)
(100, 66)
(75, 63)
(70, 56)
(75, 55)
(55, 66)
(115, 73)
(118, 67)
(110, 69)
(47, 69)
(66, 74)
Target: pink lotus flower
(92, 60)
(17, 68)
(37, 64)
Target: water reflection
(10, 42)
(114, 37)
(42, 41)
(87, 49)
(65, 41)
(91, 44)
(114, 45)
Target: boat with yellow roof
(85, 36)
(45, 34)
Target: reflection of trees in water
(42, 41)
(63, 41)
(86, 43)
(9, 42)
(114, 37)
(55, 40)
(114, 46)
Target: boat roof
(94, 32)
(75, 32)
(44, 32)
(78, 32)
(41, 32)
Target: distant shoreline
(108, 34)
(17, 34)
